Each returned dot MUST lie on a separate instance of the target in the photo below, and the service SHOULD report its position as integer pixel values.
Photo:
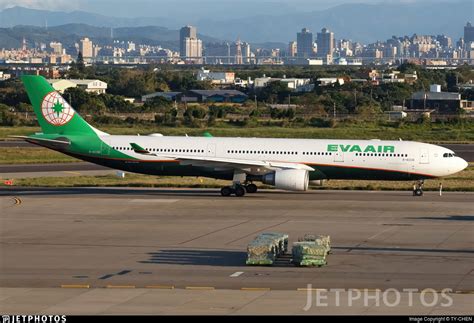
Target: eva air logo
(56, 110)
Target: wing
(250, 166)
(246, 165)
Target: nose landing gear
(418, 188)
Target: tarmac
(183, 251)
(53, 170)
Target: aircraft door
(424, 156)
(211, 150)
(339, 156)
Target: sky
(139, 8)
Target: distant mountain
(359, 22)
(71, 33)
(23, 16)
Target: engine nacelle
(288, 179)
(318, 182)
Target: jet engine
(318, 182)
(288, 179)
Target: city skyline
(325, 49)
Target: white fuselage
(425, 160)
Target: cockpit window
(448, 155)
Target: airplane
(287, 164)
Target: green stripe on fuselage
(173, 168)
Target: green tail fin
(54, 114)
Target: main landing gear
(238, 189)
(418, 188)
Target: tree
(195, 112)
(275, 92)
(78, 68)
(157, 104)
(80, 62)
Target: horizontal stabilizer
(52, 143)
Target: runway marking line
(159, 287)
(154, 201)
(255, 289)
(75, 286)
(73, 173)
(236, 274)
(120, 286)
(199, 288)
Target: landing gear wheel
(226, 191)
(418, 192)
(239, 191)
(418, 188)
(251, 188)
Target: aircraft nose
(462, 164)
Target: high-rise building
(246, 53)
(86, 48)
(218, 53)
(325, 41)
(292, 49)
(389, 52)
(444, 41)
(188, 31)
(190, 46)
(304, 40)
(238, 53)
(95, 50)
(56, 47)
(192, 49)
(468, 33)
(242, 56)
(131, 47)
